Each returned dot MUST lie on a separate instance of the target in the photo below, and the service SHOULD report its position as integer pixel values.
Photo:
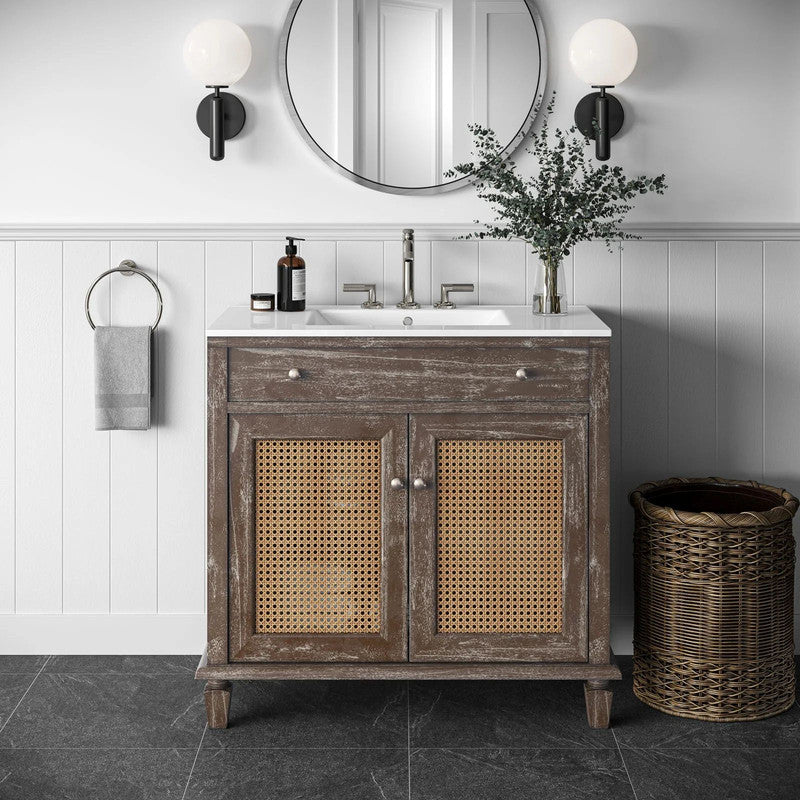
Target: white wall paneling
(181, 370)
(692, 358)
(38, 410)
(782, 369)
(105, 532)
(229, 276)
(644, 389)
(356, 262)
(455, 262)
(265, 258)
(740, 362)
(501, 273)
(321, 275)
(7, 426)
(87, 453)
(781, 364)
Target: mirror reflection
(386, 88)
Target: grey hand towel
(122, 378)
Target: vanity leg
(217, 695)
(598, 703)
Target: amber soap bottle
(292, 278)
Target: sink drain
(408, 321)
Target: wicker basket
(714, 568)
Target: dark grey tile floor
(114, 728)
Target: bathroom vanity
(408, 495)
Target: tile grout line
(25, 693)
(408, 734)
(356, 749)
(625, 766)
(196, 756)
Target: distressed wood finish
(217, 696)
(599, 622)
(413, 407)
(399, 373)
(412, 671)
(408, 393)
(245, 643)
(427, 643)
(598, 694)
(217, 505)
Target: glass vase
(548, 297)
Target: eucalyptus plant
(570, 199)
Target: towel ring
(127, 268)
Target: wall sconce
(217, 52)
(603, 53)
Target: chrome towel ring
(127, 268)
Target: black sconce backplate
(233, 115)
(585, 113)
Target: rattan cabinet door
(318, 537)
(498, 534)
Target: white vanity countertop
(465, 321)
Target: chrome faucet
(408, 270)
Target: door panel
(499, 537)
(318, 540)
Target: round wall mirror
(383, 90)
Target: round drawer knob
(294, 374)
(397, 483)
(419, 483)
(522, 374)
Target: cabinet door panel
(499, 537)
(318, 539)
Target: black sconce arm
(599, 116)
(220, 116)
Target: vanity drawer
(407, 373)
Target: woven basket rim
(784, 509)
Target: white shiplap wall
(102, 535)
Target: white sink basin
(473, 322)
(386, 318)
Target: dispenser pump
(291, 248)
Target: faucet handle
(445, 301)
(371, 301)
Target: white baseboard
(156, 634)
(102, 634)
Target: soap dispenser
(292, 278)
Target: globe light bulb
(217, 52)
(603, 52)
